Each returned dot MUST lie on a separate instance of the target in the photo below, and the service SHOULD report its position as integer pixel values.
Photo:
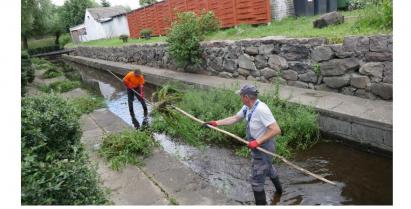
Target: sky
(132, 3)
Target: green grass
(298, 123)
(118, 42)
(300, 27)
(292, 27)
(37, 43)
(52, 73)
(87, 104)
(127, 147)
(60, 86)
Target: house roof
(103, 14)
(77, 27)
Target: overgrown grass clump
(60, 86)
(42, 64)
(87, 104)
(298, 123)
(55, 169)
(127, 147)
(377, 14)
(52, 73)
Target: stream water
(362, 178)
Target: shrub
(127, 147)
(27, 71)
(377, 15)
(45, 49)
(124, 37)
(54, 168)
(208, 22)
(184, 39)
(64, 40)
(146, 33)
(52, 73)
(49, 124)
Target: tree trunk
(57, 42)
(25, 43)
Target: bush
(184, 39)
(127, 147)
(64, 40)
(49, 124)
(54, 168)
(45, 49)
(377, 15)
(27, 71)
(124, 37)
(208, 22)
(52, 73)
(146, 33)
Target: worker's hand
(211, 123)
(253, 144)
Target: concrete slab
(75, 93)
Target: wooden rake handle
(259, 148)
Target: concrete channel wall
(362, 121)
(361, 66)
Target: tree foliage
(105, 3)
(146, 2)
(73, 11)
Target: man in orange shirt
(134, 80)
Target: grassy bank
(298, 123)
(301, 27)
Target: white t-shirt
(260, 120)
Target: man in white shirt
(261, 130)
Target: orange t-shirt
(132, 81)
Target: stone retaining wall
(361, 66)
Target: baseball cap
(247, 89)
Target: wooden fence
(159, 16)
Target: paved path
(368, 122)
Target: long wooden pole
(259, 148)
(240, 139)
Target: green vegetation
(377, 15)
(27, 71)
(127, 147)
(146, 33)
(87, 104)
(124, 38)
(39, 43)
(60, 86)
(52, 73)
(298, 123)
(185, 35)
(118, 42)
(54, 167)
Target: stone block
(290, 75)
(251, 50)
(295, 52)
(374, 70)
(378, 57)
(298, 84)
(230, 65)
(322, 53)
(243, 72)
(260, 61)
(378, 43)
(387, 74)
(384, 90)
(277, 62)
(266, 49)
(356, 44)
(332, 18)
(338, 66)
(359, 81)
(269, 73)
(247, 62)
(337, 81)
(309, 76)
(299, 67)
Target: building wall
(93, 28)
(116, 27)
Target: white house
(105, 22)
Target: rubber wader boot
(135, 123)
(260, 198)
(277, 185)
